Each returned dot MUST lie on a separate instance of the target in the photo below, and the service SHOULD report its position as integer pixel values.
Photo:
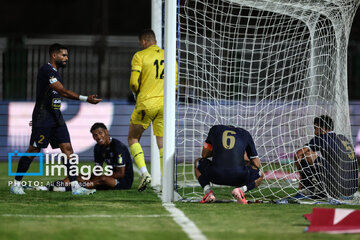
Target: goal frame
(170, 71)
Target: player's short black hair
(324, 121)
(97, 125)
(147, 34)
(56, 47)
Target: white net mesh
(269, 66)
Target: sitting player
(113, 153)
(327, 164)
(227, 145)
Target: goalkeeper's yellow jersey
(149, 86)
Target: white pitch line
(184, 222)
(86, 216)
(188, 226)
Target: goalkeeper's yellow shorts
(144, 117)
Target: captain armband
(208, 146)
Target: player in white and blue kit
(48, 125)
(327, 164)
(228, 146)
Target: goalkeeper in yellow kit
(147, 83)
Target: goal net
(271, 67)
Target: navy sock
(72, 178)
(203, 180)
(23, 166)
(68, 167)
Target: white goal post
(269, 66)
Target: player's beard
(61, 64)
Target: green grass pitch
(133, 215)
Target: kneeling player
(227, 145)
(113, 153)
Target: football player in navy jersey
(48, 125)
(112, 152)
(235, 162)
(327, 164)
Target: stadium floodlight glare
(269, 66)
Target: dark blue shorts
(42, 136)
(124, 183)
(236, 176)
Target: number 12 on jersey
(161, 65)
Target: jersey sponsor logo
(52, 79)
(56, 103)
(107, 161)
(107, 157)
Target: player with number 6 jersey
(235, 162)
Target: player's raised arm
(57, 86)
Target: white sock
(207, 189)
(17, 183)
(74, 185)
(143, 170)
(243, 188)
(59, 189)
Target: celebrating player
(147, 84)
(228, 146)
(48, 125)
(327, 162)
(115, 154)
